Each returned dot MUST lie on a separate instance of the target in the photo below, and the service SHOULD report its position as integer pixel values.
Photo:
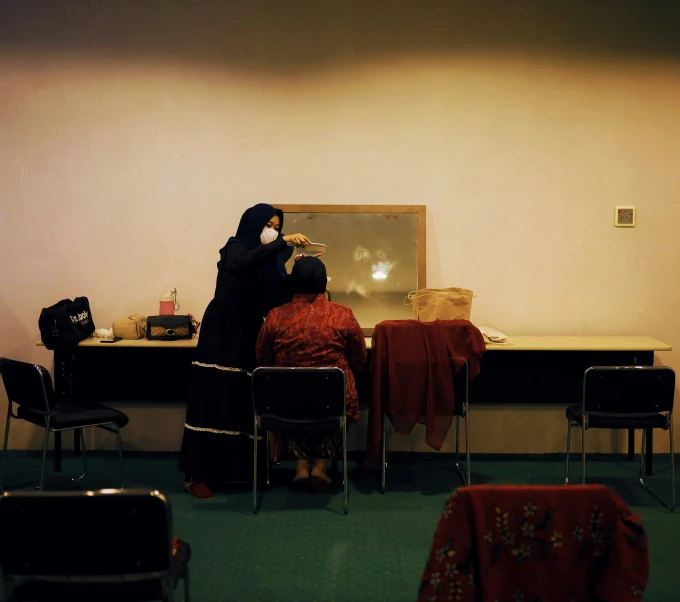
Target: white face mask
(268, 235)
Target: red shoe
(199, 490)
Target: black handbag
(169, 328)
(66, 323)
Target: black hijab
(309, 276)
(253, 222)
(248, 233)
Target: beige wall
(133, 135)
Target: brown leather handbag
(169, 328)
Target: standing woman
(251, 279)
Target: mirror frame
(419, 210)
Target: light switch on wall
(625, 217)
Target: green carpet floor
(300, 547)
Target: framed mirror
(375, 254)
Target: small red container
(167, 302)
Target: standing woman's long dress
(217, 446)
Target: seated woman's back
(313, 332)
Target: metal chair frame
(107, 426)
(464, 476)
(342, 423)
(669, 425)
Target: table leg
(648, 451)
(64, 360)
(631, 444)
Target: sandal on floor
(299, 485)
(318, 485)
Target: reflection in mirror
(371, 259)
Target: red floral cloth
(311, 331)
(536, 544)
(413, 365)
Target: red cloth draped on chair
(536, 544)
(412, 370)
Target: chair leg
(4, 447)
(650, 456)
(642, 457)
(255, 429)
(583, 452)
(84, 452)
(670, 507)
(457, 438)
(269, 461)
(670, 430)
(120, 456)
(383, 481)
(187, 595)
(344, 464)
(458, 469)
(465, 478)
(631, 444)
(467, 443)
(566, 478)
(44, 455)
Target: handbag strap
(195, 324)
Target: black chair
(299, 399)
(625, 397)
(30, 388)
(461, 410)
(90, 545)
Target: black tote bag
(66, 323)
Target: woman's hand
(299, 240)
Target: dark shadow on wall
(293, 35)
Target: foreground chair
(532, 543)
(90, 546)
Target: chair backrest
(86, 533)
(581, 541)
(299, 393)
(27, 384)
(628, 389)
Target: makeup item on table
(168, 302)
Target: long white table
(519, 343)
(581, 343)
(530, 369)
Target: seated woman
(311, 331)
